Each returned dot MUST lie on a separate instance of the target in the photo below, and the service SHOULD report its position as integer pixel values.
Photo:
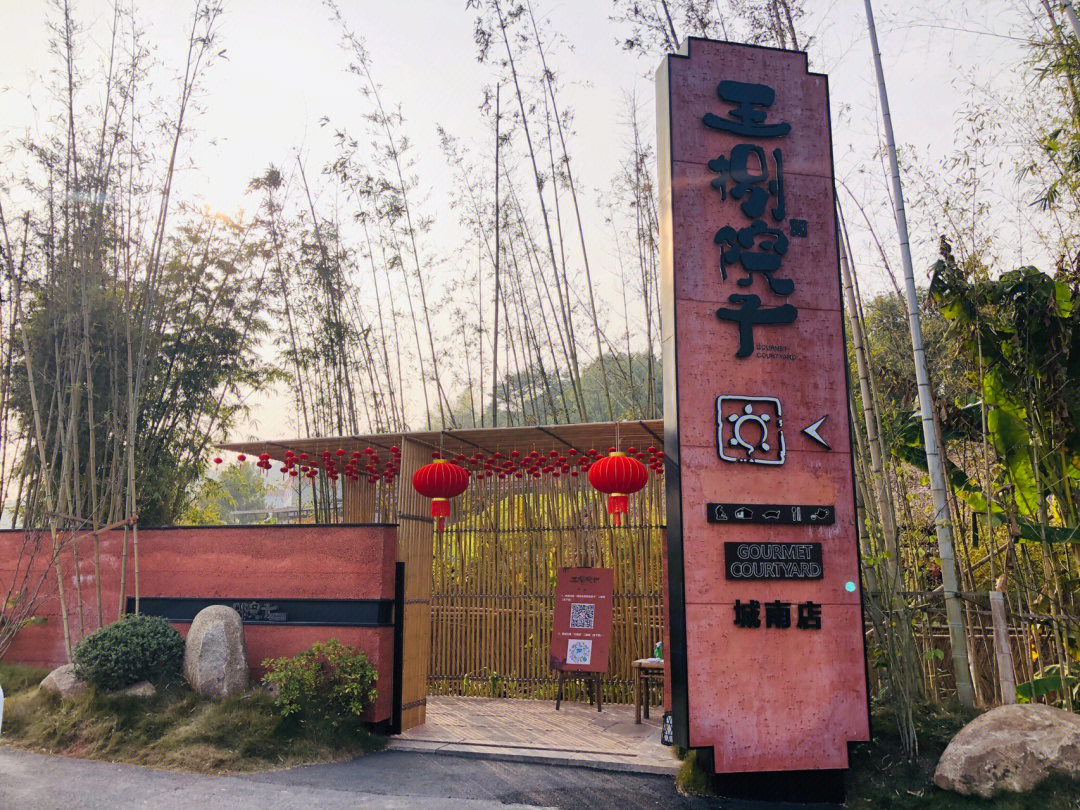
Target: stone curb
(569, 759)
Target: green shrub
(332, 684)
(136, 648)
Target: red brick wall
(257, 562)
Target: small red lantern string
(502, 466)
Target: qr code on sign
(579, 651)
(582, 614)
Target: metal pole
(942, 524)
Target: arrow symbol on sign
(812, 432)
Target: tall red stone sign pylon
(767, 661)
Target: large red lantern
(618, 476)
(440, 480)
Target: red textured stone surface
(256, 562)
(780, 700)
(764, 699)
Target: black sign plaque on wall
(773, 560)
(777, 514)
(328, 612)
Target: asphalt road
(391, 780)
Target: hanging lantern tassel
(618, 476)
(617, 506)
(440, 509)
(440, 480)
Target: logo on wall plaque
(750, 429)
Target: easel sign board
(581, 636)
(767, 664)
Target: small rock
(143, 689)
(1011, 748)
(215, 662)
(63, 683)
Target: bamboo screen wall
(479, 596)
(493, 587)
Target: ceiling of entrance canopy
(593, 435)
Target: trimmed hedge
(136, 648)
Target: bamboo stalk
(961, 669)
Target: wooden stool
(592, 685)
(645, 672)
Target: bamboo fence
(493, 583)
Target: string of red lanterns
(372, 467)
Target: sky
(283, 71)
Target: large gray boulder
(63, 683)
(215, 663)
(1011, 748)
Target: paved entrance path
(532, 731)
(392, 780)
(42, 782)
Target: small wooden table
(646, 671)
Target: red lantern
(440, 480)
(618, 475)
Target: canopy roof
(598, 435)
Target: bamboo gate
(479, 596)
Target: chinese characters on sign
(777, 614)
(253, 612)
(756, 179)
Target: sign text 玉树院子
(756, 243)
